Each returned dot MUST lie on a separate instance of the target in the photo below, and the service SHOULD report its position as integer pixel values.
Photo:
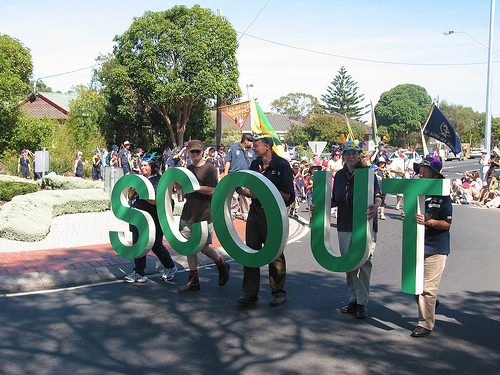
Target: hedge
(9, 189)
(29, 217)
(55, 182)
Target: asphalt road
(149, 328)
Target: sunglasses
(195, 151)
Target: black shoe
(420, 332)
(278, 300)
(223, 273)
(361, 312)
(247, 300)
(437, 305)
(351, 308)
(192, 285)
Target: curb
(36, 281)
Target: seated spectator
(475, 185)
(488, 192)
(456, 192)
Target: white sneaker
(134, 277)
(169, 273)
(382, 217)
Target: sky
(290, 46)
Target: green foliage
(330, 128)
(15, 71)
(402, 110)
(9, 189)
(166, 62)
(231, 135)
(28, 217)
(41, 86)
(297, 104)
(33, 133)
(296, 135)
(66, 183)
(495, 131)
(468, 123)
(342, 96)
(85, 114)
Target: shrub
(54, 182)
(9, 189)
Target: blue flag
(438, 127)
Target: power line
(73, 71)
(357, 58)
(261, 9)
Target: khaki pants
(242, 203)
(256, 233)
(358, 281)
(433, 270)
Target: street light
(487, 130)
(470, 36)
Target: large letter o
(274, 208)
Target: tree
(169, 60)
(16, 69)
(297, 104)
(402, 110)
(330, 128)
(468, 123)
(342, 96)
(296, 136)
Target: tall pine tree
(342, 96)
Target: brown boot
(192, 285)
(223, 273)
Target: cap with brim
(264, 137)
(195, 145)
(434, 163)
(314, 165)
(114, 147)
(295, 165)
(496, 151)
(381, 160)
(126, 143)
(381, 144)
(139, 150)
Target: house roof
(51, 104)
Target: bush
(29, 217)
(9, 189)
(54, 182)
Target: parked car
(417, 158)
(450, 155)
(475, 153)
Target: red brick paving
(76, 257)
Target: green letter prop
(199, 232)
(362, 229)
(274, 208)
(414, 191)
(138, 218)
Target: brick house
(48, 104)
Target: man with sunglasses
(279, 172)
(197, 209)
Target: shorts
(185, 229)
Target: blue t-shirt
(240, 158)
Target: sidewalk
(30, 270)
